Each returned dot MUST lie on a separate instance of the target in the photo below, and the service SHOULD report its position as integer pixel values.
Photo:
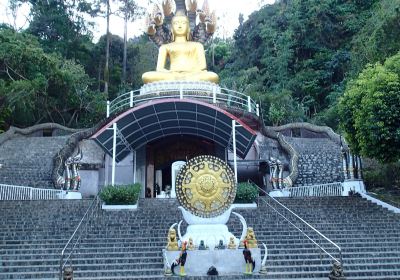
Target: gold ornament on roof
(206, 186)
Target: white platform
(70, 195)
(227, 262)
(279, 193)
(118, 207)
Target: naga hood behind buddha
(179, 45)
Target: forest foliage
(297, 57)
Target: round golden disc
(205, 186)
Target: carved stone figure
(172, 244)
(231, 244)
(251, 238)
(181, 261)
(337, 272)
(191, 245)
(250, 263)
(187, 59)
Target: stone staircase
(320, 161)
(28, 161)
(128, 244)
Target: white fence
(9, 192)
(331, 189)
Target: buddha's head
(180, 25)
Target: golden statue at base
(172, 244)
(187, 59)
(231, 244)
(191, 245)
(251, 238)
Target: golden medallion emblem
(205, 186)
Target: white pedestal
(210, 230)
(227, 262)
(70, 195)
(210, 234)
(353, 185)
(279, 193)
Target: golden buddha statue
(172, 242)
(187, 59)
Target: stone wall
(28, 161)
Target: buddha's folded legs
(154, 76)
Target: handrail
(12, 192)
(206, 92)
(307, 224)
(86, 217)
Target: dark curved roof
(157, 119)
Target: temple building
(188, 141)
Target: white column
(114, 153)
(108, 108)
(234, 148)
(249, 103)
(258, 110)
(134, 166)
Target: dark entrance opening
(163, 153)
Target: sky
(227, 11)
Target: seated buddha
(187, 59)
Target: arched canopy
(154, 120)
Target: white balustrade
(331, 189)
(10, 192)
(204, 91)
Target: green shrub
(121, 195)
(246, 193)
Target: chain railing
(302, 226)
(206, 92)
(11, 192)
(330, 189)
(67, 253)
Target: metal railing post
(114, 153)
(249, 103)
(131, 99)
(214, 94)
(108, 108)
(234, 148)
(180, 91)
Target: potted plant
(246, 195)
(120, 196)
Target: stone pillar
(351, 166)
(344, 160)
(275, 176)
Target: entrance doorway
(162, 154)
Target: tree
(370, 111)
(129, 11)
(61, 26)
(39, 87)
